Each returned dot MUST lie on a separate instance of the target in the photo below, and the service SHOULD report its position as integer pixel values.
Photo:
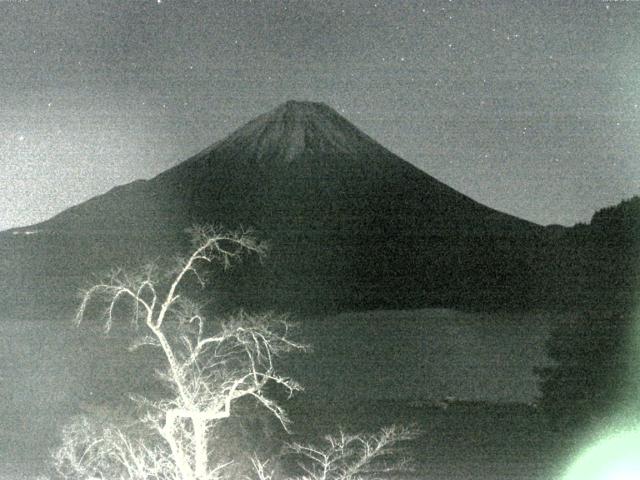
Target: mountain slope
(351, 224)
(300, 152)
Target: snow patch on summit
(295, 144)
(295, 127)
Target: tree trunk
(201, 450)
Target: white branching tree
(353, 457)
(347, 457)
(208, 370)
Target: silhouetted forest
(592, 380)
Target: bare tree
(352, 457)
(348, 457)
(206, 374)
(208, 370)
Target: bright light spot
(615, 458)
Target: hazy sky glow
(529, 107)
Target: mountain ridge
(295, 120)
(352, 224)
(296, 146)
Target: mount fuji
(351, 225)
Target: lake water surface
(50, 368)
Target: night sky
(532, 108)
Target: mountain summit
(298, 138)
(351, 224)
(304, 162)
(293, 128)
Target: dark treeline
(594, 380)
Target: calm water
(49, 368)
(484, 442)
(427, 354)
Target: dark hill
(607, 257)
(351, 225)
